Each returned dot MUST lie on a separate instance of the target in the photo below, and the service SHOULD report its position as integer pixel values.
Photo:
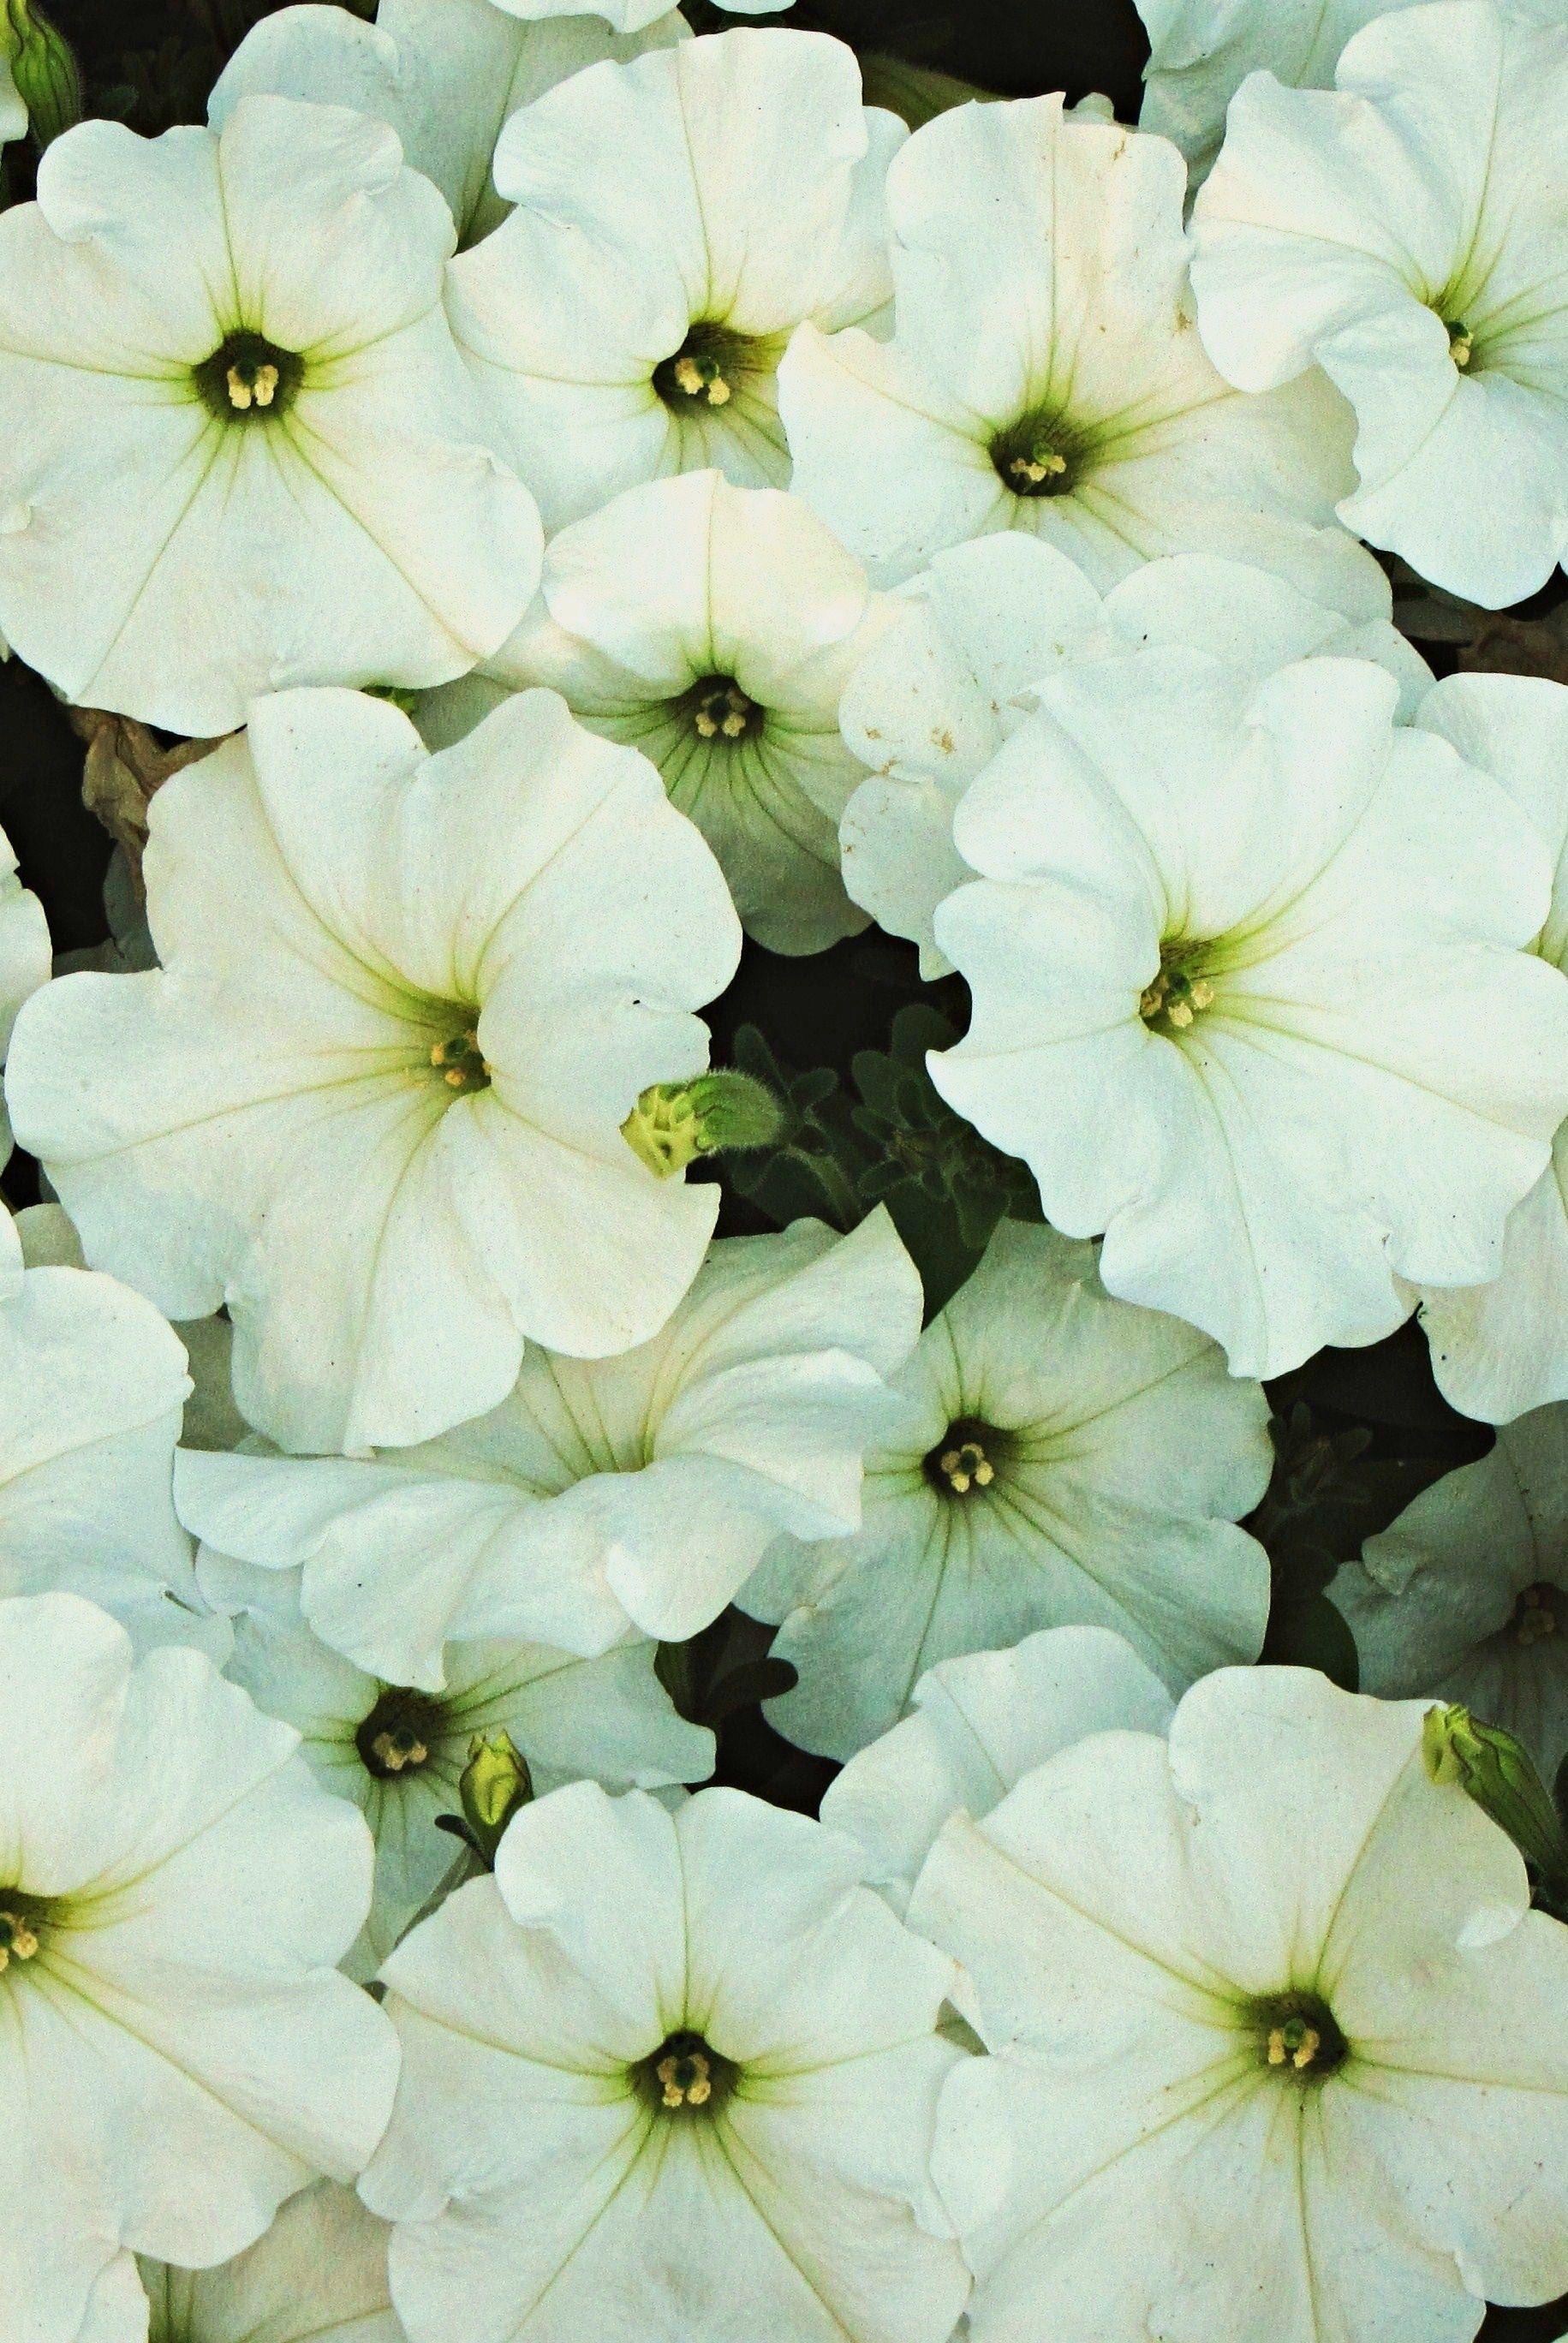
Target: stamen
(685, 2076)
(247, 375)
(1461, 345)
(399, 1749)
(1175, 997)
(700, 377)
(1298, 2036)
(1041, 464)
(461, 1063)
(18, 1942)
(720, 710)
(260, 387)
(688, 2079)
(964, 1462)
(397, 1736)
(1535, 1615)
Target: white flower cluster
(597, 500)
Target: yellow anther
(398, 1750)
(256, 388)
(702, 380)
(1535, 1616)
(966, 1467)
(685, 2081)
(1461, 345)
(1175, 996)
(1278, 2054)
(1044, 464)
(1306, 2049)
(17, 1940)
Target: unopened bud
(1497, 1773)
(42, 68)
(673, 1123)
(494, 1783)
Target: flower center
(397, 1736)
(17, 1937)
(1535, 1614)
(1038, 456)
(965, 1460)
(720, 710)
(1298, 2038)
(1180, 991)
(708, 369)
(248, 379)
(460, 1062)
(1461, 343)
(686, 2077)
(21, 1918)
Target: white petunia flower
(1063, 1459)
(976, 1726)
(1045, 374)
(92, 1385)
(1501, 1348)
(373, 1099)
(319, 2276)
(666, 2076)
(211, 1420)
(445, 75)
(1405, 233)
(178, 2052)
(24, 960)
(1201, 52)
(1466, 1596)
(1276, 2044)
(629, 16)
(714, 629)
(936, 695)
(1250, 997)
(634, 1493)
(399, 1752)
(676, 217)
(242, 450)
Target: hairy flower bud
(673, 1123)
(494, 1783)
(1492, 1768)
(43, 67)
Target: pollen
(18, 1942)
(249, 387)
(723, 712)
(400, 1750)
(966, 1467)
(461, 1063)
(1296, 2041)
(1461, 345)
(1041, 464)
(1177, 997)
(1535, 1615)
(700, 377)
(685, 2080)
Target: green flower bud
(43, 67)
(673, 1123)
(1492, 1768)
(494, 1783)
